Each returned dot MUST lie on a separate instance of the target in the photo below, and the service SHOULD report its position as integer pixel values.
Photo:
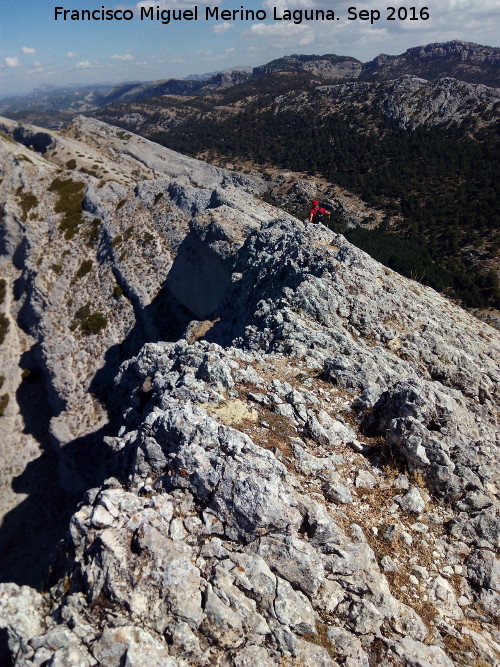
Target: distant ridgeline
(438, 185)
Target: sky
(36, 50)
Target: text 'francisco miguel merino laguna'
(166, 16)
(296, 16)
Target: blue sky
(36, 50)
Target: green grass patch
(69, 203)
(94, 232)
(157, 198)
(23, 158)
(128, 233)
(8, 138)
(117, 291)
(4, 402)
(85, 267)
(56, 268)
(90, 323)
(71, 164)
(118, 240)
(90, 172)
(4, 327)
(94, 324)
(26, 201)
(121, 203)
(3, 289)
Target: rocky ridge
(406, 102)
(462, 61)
(326, 67)
(465, 61)
(409, 102)
(78, 296)
(304, 469)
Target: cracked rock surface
(306, 475)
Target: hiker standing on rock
(317, 213)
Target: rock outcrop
(461, 60)
(302, 463)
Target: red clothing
(314, 211)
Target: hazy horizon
(36, 49)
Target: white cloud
(71, 54)
(126, 57)
(37, 63)
(85, 64)
(467, 20)
(11, 62)
(230, 50)
(27, 50)
(286, 35)
(222, 27)
(178, 60)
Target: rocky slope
(301, 467)
(465, 61)
(326, 67)
(407, 103)
(85, 253)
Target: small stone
(357, 533)
(412, 502)
(365, 480)
(401, 482)
(101, 518)
(420, 572)
(337, 493)
(388, 565)
(407, 538)
(177, 530)
(419, 527)
(474, 502)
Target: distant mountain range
(464, 61)
(413, 135)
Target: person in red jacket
(317, 212)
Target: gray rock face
(254, 510)
(410, 102)
(466, 61)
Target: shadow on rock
(29, 533)
(56, 481)
(165, 319)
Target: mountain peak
(462, 60)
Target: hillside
(235, 437)
(423, 152)
(464, 61)
(51, 106)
